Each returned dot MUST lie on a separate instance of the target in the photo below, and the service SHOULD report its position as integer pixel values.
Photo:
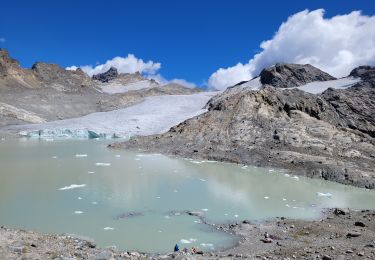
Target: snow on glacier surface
(320, 86)
(114, 88)
(154, 115)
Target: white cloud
(132, 64)
(129, 64)
(163, 81)
(335, 45)
(2, 40)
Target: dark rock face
(52, 74)
(355, 106)
(109, 75)
(363, 72)
(327, 136)
(292, 75)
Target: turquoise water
(137, 201)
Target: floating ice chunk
(167, 217)
(158, 197)
(102, 164)
(177, 214)
(286, 175)
(202, 179)
(198, 221)
(225, 214)
(287, 205)
(236, 216)
(91, 172)
(73, 186)
(295, 178)
(81, 155)
(204, 209)
(322, 194)
(266, 197)
(284, 199)
(108, 228)
(54, 157)
(79, 198)
(207, 245)
(188, 241)
(271, 170)
(160, 231)
(78, 212)
(295, 207)
(197, 162)
(117, 156)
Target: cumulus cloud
(129, 64)
(163, 81)
(335, 45)
(132, 64)
(2, 40)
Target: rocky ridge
(48, 92)
(292, 75)
(328, 135)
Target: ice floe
(266, 197)
(73, 186)
(102, 164)
(322, 194)
(81, 155)
(188, 241)
(108, 228)
(78, 212)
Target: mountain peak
(284, 75)
(109, 75)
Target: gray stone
(292, 75)
(104, 255)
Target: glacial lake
(139, 201)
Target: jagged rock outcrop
(52, 75)
(363, 72)
(49, 92)
(329, 135)
(109, 75)
(355, 106)
(292, 75)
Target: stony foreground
(339, 234)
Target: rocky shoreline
(338, 234)
(328, 135)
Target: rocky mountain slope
(292, 75)
(48, 92)
(328, 135)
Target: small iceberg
(73, 186)
(79, 198)
(78, 212)
(102, 164)
(81, 155)
(188, 241)
(204, 209)
(108, 228)
(322, 194)
(266, 197)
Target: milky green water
(156, 188)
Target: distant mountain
(49, 92)
(292, 116)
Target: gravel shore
(338, 234)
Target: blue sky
(191, 39)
